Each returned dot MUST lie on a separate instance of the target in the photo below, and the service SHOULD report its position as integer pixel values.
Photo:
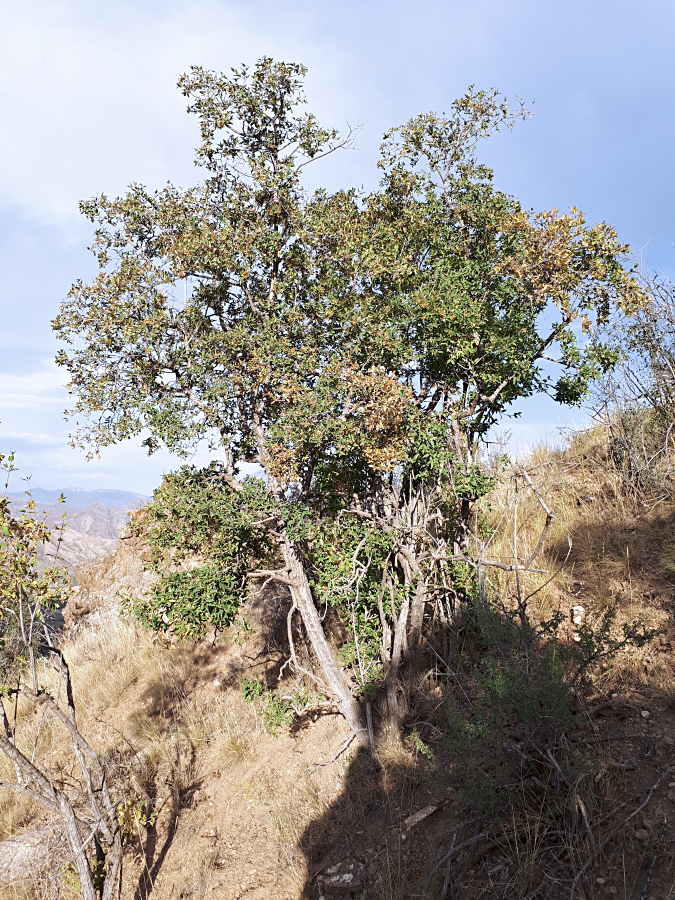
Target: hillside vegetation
(231, 790)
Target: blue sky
(88, 104)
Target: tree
(357, 347)
(83, 804)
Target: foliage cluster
(636, 400)
(197, 515)
(278, 712)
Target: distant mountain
(82, 498)
(92, 526)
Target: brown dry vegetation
(216, 807)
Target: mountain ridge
(81, 497)
(91, 530)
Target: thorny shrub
(522, 685)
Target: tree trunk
(416, 614)
(113, 868)
(391, 678)
(416, 621)
(331, 669)
(79, 854)
(301, 592)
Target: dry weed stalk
(83, 804)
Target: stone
(343, 879)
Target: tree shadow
(344, 834)
(358, 847)
(152, 853)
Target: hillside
(232, 795)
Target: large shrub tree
(358, 347)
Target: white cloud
(88, 95)
(33, 390)
(88, 90)
(45, 439)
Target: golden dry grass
(15, 810)
(622, 554)
(225, 725)
(105, 662)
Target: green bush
(188, 603)
(251, 689)
(277, 712)
(197, 515)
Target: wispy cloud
(100, 82)
(33, 390)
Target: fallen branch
(342, 749)
(614, 703)
(649, 795)
(452, 852)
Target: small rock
(343, 878)
(601, 880)
(645, 713)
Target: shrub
(187, 603)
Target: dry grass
(107, 661)
(15, 810)
(41, 887)
(622, 555)
(229, 728)
(290, 815)
(392, 753)
(39, 738)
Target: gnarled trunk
(331, 670)
(391, 678)
(301, 593)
